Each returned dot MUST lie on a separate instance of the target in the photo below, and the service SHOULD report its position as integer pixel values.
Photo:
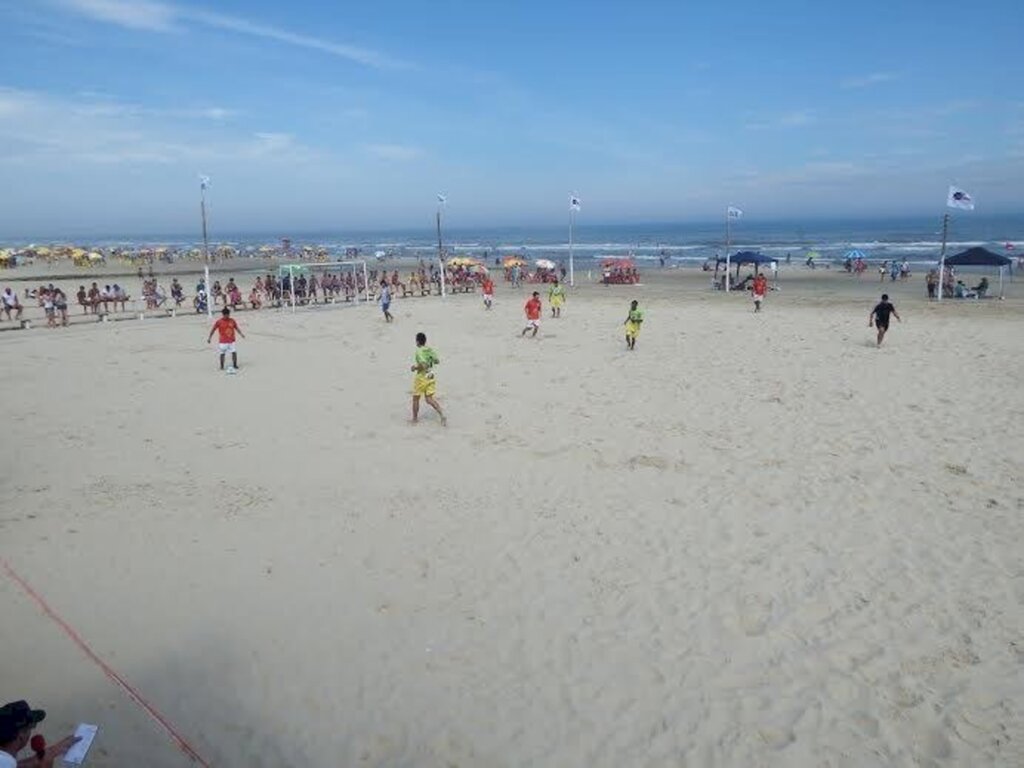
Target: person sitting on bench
(11, 304)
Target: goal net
(330, 282)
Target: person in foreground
(879, 317)
(17, 721)
(633, 321)
(226, 328)
(532, 310)
(423, 383)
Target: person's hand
(53, 751)
(57, 750)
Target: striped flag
(958, 198)
(204, 182)
(574, 202)
(441, 199)
(733, 213)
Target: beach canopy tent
(980, 257)
(746, 257)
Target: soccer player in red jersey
(532, 315)
(225, 327)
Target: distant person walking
(423, 383)
(532, 309)
(385, 301)
(634, 319)
(759, 289)
(879, 317)
(488, 290)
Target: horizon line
(301, 232)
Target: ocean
(916, 239)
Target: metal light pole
(441, 200)
(204, 182)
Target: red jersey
(533, 309)
(488, 288)
(226, 327)
(760, 285)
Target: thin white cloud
(394, 152)
(46, 131)
(866, 81)
(133, 14)
(795, 119)
(154, 16)
(244, 27)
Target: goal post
(332, 276)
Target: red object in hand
(38, 745)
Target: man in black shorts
(879, 317)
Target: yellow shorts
(632, 329)
(424, 384)
(557, 301)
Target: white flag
(204, 182)
(733, 213)
(574, 202)
(442, 199)
(958, 198)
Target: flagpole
(572, 272)
(206, 248)
(942, 255)
(728, 260)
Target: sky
(317, 116)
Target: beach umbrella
(513, 261)
(856, 254)
(545, 264)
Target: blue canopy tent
(980, 257)
(747, 257)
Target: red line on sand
(134, 695)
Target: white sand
(757, 540)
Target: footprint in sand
(755, 611)
(654, 462)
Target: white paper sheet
(76, 755)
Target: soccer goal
(330, 280)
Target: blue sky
(314, 116)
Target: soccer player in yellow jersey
(556, 295)
(633, 321)
(423, 383)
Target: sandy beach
(755, 541)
